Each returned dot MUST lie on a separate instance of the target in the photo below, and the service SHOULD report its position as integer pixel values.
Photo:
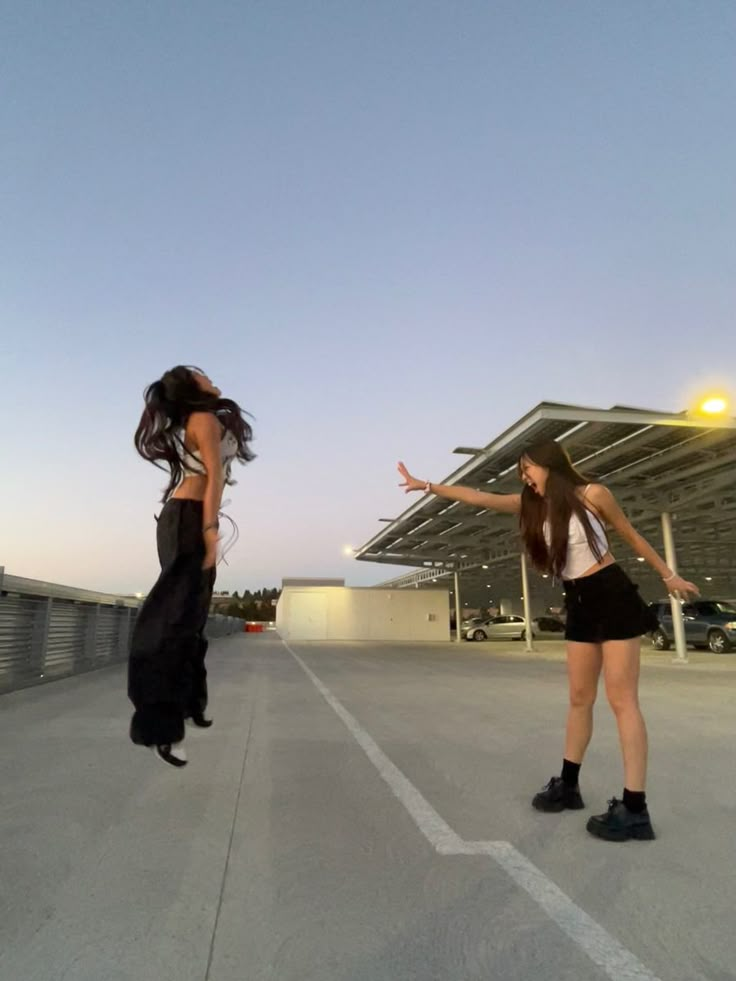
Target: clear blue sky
(385, 228)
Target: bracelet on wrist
(669, 578)
(428, 487)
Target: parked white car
(497, 628)
(511, 628)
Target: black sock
(635, 801)
(570, 772)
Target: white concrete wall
(333, 613)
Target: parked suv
(709, 624)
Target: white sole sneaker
(174, 754)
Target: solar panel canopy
(654, 462)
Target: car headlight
(731, 626)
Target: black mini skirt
(606, 606)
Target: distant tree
(258, 605)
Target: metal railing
(49, 631)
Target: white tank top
(580, 556)
(192, 465)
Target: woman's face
(534, 476)
(206, 385)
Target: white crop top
(192, 464)
(580, 556)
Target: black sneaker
(621, 824)
(558, 797)
(199, 721)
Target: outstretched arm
(505, 503)
(606, 505)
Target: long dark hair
(169, 403)
(559, 503)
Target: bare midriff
(192, 488)
(607, 560)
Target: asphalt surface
(361, 813)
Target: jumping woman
(563, 522)
(188, 429)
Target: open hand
(681, 586)
(409, 482)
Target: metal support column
(458, 610)
(527, 605)
(678, 623)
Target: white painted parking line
(603, 949)
(439, 834)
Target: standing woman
(563, 520)
(188, 429)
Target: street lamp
(714, 406)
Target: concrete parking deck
(361, 813)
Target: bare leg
(583, 670)
(621, 673)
